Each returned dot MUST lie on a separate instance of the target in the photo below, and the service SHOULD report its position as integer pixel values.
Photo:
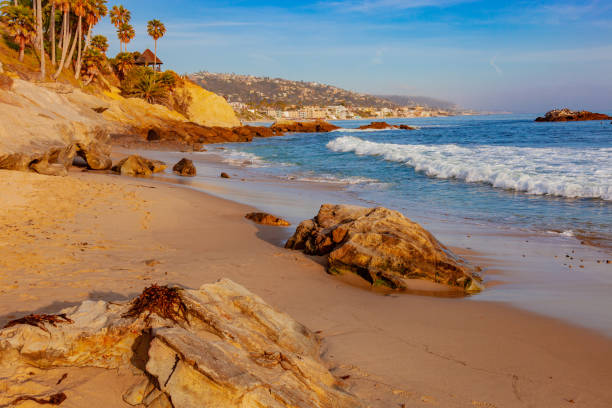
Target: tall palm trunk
(41, 39)
(21, 49)
(77, 67)
(88, 39)
(65, 43)
(72, 48)
(155, 60)
(52, 32)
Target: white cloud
(371, 5)
(495, 66)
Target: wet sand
(91, 236)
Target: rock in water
(219, 346)
(138, 166)
(224, 175)
(267, 219)
(381, 246)
(566, 115)
(184, 168)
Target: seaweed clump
(54, 399)
(164, 301)
(38, 320)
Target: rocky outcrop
(287, 126)
(209, 109)
(218, 346)
(566, 115)
(43, 127)
(135, 165)
(267, 219)
(384, 126)
(381, 246)
(184, 168)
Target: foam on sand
(566, 172)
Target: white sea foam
(566, 172)
(246, 159)
(331, 179)
(343, 130)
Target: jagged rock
(378, 125)
(566, 115)
(96, 155)
(227, 348)
(267, 219)
(381, 246)
(138, 166)
(407, 127)
(319, 126)
(184, 168)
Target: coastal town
(262, 98)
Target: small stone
(225, 175)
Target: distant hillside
(420, 101)
(282, 92)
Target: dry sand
(90, 236)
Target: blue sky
(521, 56)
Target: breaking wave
(564, 172)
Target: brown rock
(266, 219)
(381, 246)
(138, 166)
(407, 127)
(96, 155)
(184, 168)
(224, 175)
(319, 126)
(566, 115)
(378, 125)
(6, 82)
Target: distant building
(147, 59)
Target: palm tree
(96, 9)
(20, 23)
(52, 31)
(123, 63)
(126, 33)
(80, 8)
(120, 15)
(100, 43)
(156, 30)
(40, 37)
(65, 7)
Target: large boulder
(219, 346)
(135, 165)
(381, 246)
(184, 168)
(566, 115)
(96, 155)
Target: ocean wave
(565, 172)
(343, 130)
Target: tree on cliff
(156, 30)
(21, 26)
(100, 43)
(119, 16)
(126, 33)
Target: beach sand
(94, 236)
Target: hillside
(420, 101)
(279, 92)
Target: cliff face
(209, 109)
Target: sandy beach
(96, 236)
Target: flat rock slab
(219, 346)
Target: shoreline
(526, 269)
(448, 354)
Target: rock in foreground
(219, 346)
(267, 219)
(184, 168)
(566, 115)
(381, 246)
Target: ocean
(504, 170)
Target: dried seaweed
(164, 301)
(54, 399)
(38, 320)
